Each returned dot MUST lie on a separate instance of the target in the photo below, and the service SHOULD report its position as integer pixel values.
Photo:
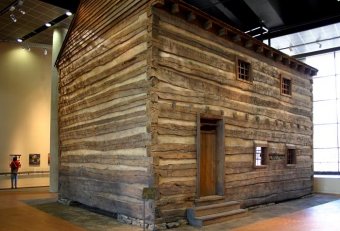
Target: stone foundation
(138, 222)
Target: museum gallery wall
(25, 113)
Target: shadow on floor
(89, 220)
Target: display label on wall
(276, 156)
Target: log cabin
(155, 94)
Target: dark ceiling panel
(70, 5)
(279, 16)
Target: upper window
(243, 70)
(291, 156)
(286, 86)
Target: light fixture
(48, 24)
(45, 51)
(19, 40)
(68, 13)
(12, 16)
(320, 45)
(20, 2)
(12, 8)
(22, 11)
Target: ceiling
(37, 13)
(261, 18)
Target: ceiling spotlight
(14, 19)
(19, 40)
(22, 11)
(48, 24)
(20, 2)
(68, 13)
(12, 8)
(45, 51)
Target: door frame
(220, 152)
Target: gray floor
(94, 221)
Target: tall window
(286, 86)
(291, 156)
(326, 112)
(243, 70)
(260, 156)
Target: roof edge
(223, 30)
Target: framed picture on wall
(34, 159)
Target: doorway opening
(210, 156)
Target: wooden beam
(278, 57)
(249, 44)
(286, 61)
(313, 72)
(259, 49)
(207, 25)
(293, 65)
(269, 53)
(222, 32)
(300, 68)
(191, 16)
(175, 8)
(236, 38)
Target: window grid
(286, 86)
(327, 154)
(291, 156)
(244, 70)
(260, 156)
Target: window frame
(294, 157)
(282, 89)
(250, 72)
(264, 151)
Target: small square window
(291, 156)
(243, 70)
(260, 156)
(286, 86)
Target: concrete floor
(37, 209)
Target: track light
(19, 40)
(48, 24)
(12, 8)
(45, 51)
(20, 2)
(22, 11)
(12, 16)
(68, 13)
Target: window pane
(338, 109)
(324, 63)
(326, 155)
(337, 61)
(339, 136)
(326, 167)
(338, 84)
(324, 88)
(325, 136)
(324, 112)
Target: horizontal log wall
(195, 73)
(103, 107)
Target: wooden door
(208, 163)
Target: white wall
(327, 184)
(25, 83)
